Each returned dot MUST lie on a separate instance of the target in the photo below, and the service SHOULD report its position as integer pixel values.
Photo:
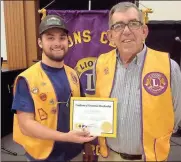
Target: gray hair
(122, 7)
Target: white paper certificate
(98, 115)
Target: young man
(41, 100)
(147, 84)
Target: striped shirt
(126, 89)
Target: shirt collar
(139, 57)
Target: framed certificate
(97, 115)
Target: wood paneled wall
(21, 26)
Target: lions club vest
(46, 108)
(157, 116)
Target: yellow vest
(157, 116)
(46, 108)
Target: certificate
(97, 115)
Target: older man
(147, 84)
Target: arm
(24, 107)
(176, 91)
(30, 127)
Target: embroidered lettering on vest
(43, 115)
(155, 83)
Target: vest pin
(35, 90)
(43, 96)
(43, 84)
(54, 110)
(52, 102)
(106, 71)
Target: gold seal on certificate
(106, 127)
(97, 115)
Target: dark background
(80, 4)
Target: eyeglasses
(132, 25)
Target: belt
(128, 156)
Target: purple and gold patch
(155, 83)
(74, 78)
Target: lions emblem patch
(155, 83)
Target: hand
(79, 136)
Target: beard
(54, 57)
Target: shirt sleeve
(22, 100)
(176, 91)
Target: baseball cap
(52, 21)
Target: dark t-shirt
(23, 101)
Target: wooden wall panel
(31, 29)
(15, 34)
(21, 26)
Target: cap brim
(54, 26)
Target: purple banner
(87, 40)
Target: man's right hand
(32, 128)
(79, 136)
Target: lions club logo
(84, 70)
(155, 83)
